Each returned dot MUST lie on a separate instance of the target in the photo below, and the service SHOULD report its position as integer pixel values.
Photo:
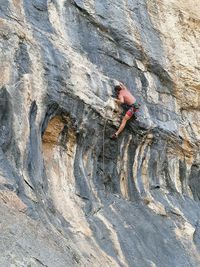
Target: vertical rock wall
(82, 198)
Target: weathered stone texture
(69, 195)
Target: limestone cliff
(69, 196)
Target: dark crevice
(29, 184)
(22, 60)
(90, 18)
(39, 261)
(164, 77)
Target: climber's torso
(129, 99)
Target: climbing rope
(104, 129)
(103, 152)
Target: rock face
(69, 195)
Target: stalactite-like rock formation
(69, 196)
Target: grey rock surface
(69, 196)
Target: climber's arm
(123, 86)
(119, 100)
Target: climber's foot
(113, 136)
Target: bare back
(127, 96)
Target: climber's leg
(121, 127)
(123, 124)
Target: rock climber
(123, 96)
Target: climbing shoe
(113, 136)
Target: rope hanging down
(104, 129)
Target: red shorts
(131, 111)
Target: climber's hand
(117, 101)
(122, 85)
